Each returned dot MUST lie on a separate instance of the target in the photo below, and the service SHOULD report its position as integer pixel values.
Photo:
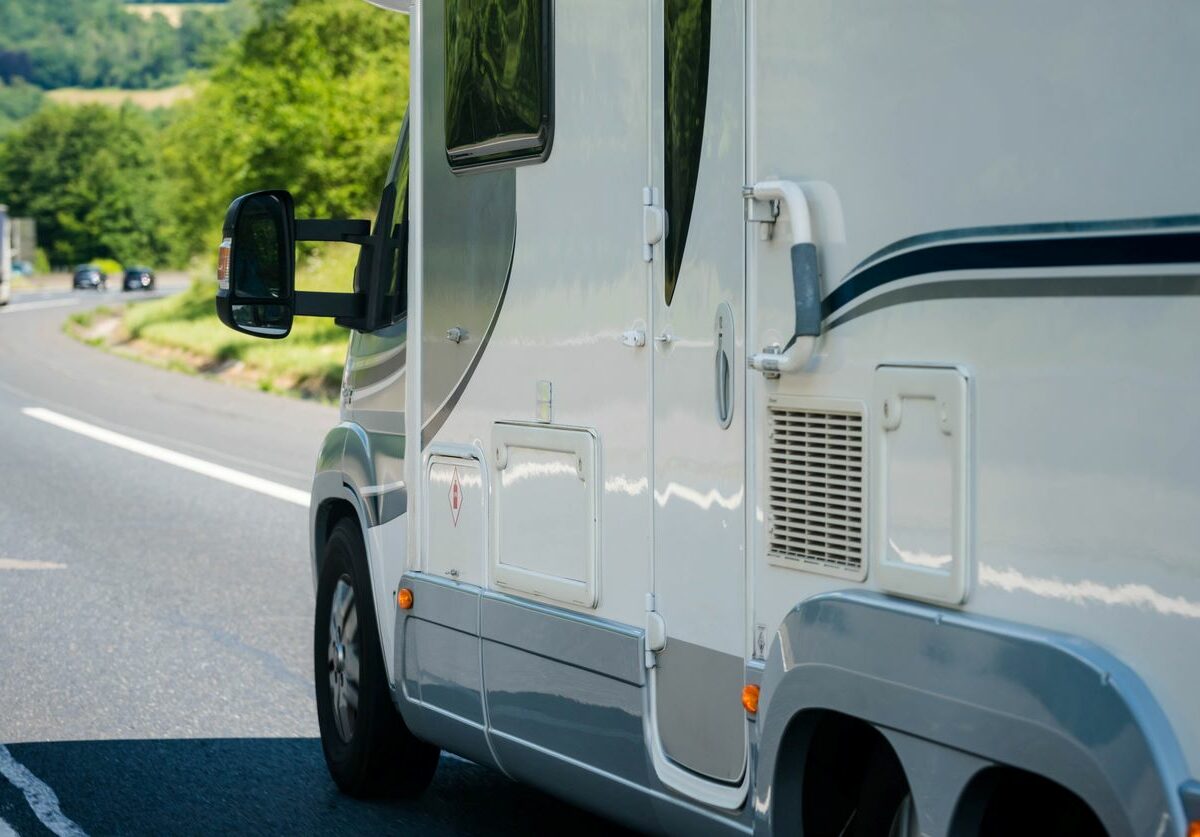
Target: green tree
(17, 101)
(91, 178)
(310, 100)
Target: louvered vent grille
(815, 490)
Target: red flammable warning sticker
(455, 497)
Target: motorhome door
(697, 325)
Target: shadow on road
(266, 786)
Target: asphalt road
(155, 668)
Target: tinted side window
(388, 287)
(498, 81)
(687, 32)
(379, 356)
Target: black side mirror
(256, 270)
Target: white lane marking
(171, 457)
(17, 307)
(16, 564)
(40, 796)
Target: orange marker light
(750, 701)
(1194, 828)
(404, 598)
(223, 263)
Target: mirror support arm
(317, 304)
(348, 310)
(349, 232)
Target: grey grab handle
(806, 282)
(806, 286)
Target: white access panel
(921, 517)
(545, 512)
(456, 519)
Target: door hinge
(656, 631)
(762, 212)
(654, 222)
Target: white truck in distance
(5, 256)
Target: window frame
(510, 151)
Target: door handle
(806, 280)
(723, 363)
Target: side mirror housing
(256, 269)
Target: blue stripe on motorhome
(1057, 286)
(1092, 250)
(1147, 224)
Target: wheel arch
(343, 466)
(956, 693)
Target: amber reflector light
(404, 598)
(223, 263)
(750, 701)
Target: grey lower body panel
(559, 700)
(438, 670)
(553, 698)
(701, 721)
(955, 694)
(567, 686)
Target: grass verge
(182, 333)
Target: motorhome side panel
(1007, 197)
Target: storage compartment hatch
(921, 500)
(546, 502)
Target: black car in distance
(90, 277)
(138, 279)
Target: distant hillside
(98, 43)
(162, 97)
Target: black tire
(883, 797)
(369, 751)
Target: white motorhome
(770, 416)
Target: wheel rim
(344, 656)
